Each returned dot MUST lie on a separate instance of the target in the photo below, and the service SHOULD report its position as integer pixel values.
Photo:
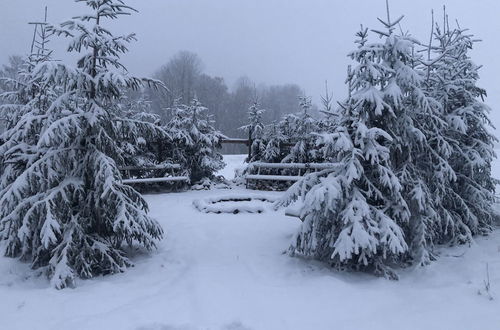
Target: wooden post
(250, 144)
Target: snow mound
(235, 203)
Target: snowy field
(228, 272)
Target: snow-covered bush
(62, 203)
(195, 140)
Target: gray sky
(270, 41)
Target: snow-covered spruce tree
(353, 214)
(10, 81)
(303, 127)
(195, 140)
(26, 99)
(419, 151)
(18, 92)
(66, 209)
(255, 131)
(17, 84)
(139, 150)
(140, 109)
(328, 111)
(177, 129)
(452, 81)
(273, 139)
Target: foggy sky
(270, 41)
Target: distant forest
(185, 78)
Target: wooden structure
(163, 173)
(247, 142)
(282, 172)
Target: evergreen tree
(16, 80)
(62, 203)
(195, 140)
(328, 111)
(9, 81)
(301, 129)
(414, 158)
(452, 80)
(419, 150)
(273, 140)
(353, 213)
(141, 150)
(139, 109)
(255, 130)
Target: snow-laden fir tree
(329, 115)
(255, 131)
(273, 140)
(62, 203)
(17, 91)
(195, 140)
(27, 97)
(9, 81)
(16, 81)
(419, 151)
(139, 108)
(302, 129)
(452, 78)
(353, 213)
(141, 150)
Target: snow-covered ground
(233, 163)
(228, 272)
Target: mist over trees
(185, 79)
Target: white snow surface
(233, 163)
(236, 203)
(228, 272)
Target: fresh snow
(236, 203)
(225, 271)
(155, 180)
(315, 166)
(233, 163)
(273, 177)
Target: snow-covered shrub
(62, 203)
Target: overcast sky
(270, 41)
